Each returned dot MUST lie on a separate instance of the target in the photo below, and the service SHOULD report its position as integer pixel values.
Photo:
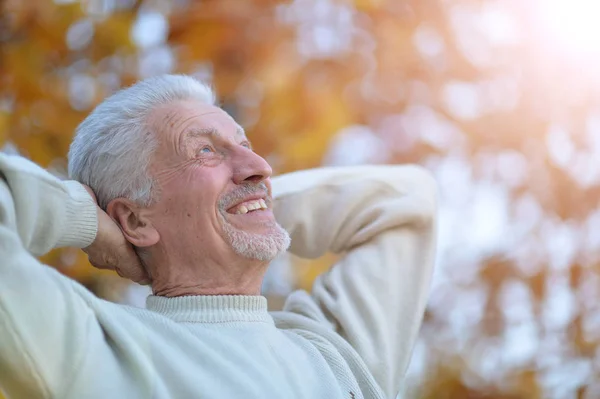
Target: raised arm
(43, 323)
(381, 220)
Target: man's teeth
(251, 206)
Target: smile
(249, 206)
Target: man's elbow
(419, 184)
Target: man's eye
(206, 150)
(247, 145)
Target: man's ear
(135, 225)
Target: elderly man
(185, 205)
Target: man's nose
(249, 167)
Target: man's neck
(178, 277)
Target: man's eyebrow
(210, 132)
(240, 132)
(195, 133)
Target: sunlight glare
(573, 24)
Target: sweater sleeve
(43, 322)
(381, 221)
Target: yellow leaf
(4, 117)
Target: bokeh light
(499, 99)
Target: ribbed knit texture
(81, 221)
(211, 308)
(350, 338)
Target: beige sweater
(350, 338)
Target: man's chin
(263, 244)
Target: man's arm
(44, 212)
(44, 324)
(381, 220)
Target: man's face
(214, 192)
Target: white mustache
(244, 191)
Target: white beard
(261, 247)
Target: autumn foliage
(487, 95)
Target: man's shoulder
(301, 311)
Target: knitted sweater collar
(211, 308)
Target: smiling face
(214, 192)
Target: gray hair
(113, 146)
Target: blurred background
(499, 99)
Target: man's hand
(111, 250)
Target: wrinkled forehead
(182, 121)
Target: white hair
(113, 146)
